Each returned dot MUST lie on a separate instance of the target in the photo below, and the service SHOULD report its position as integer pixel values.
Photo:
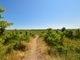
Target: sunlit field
(39, 30)
(62, 44)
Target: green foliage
(77, 34)
(11, 40)
(52, 38)
(63, 29)
(69, 34)
(61, 49)
(14, 40)
(77, 49)
(1, 16)
(65, 44)
(1, 9)
(19, 46)
(3, 25)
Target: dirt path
(32, 53)
(36, 51)
(33, 48)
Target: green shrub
(19, 46)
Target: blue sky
(42, 14)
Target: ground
(37, 50)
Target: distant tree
(49, 30)
(63, 29)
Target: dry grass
(15, 55)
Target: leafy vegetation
(11, 40)
(14, 40)
(64, 43)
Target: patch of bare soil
(37, 50)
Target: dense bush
(63, 29)
(19, 46)
(77, 34)
(69, 34)
(54, 40)
(65, 43)
(13, 40)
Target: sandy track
(33, 49)
(32, 53)
(36, 50)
